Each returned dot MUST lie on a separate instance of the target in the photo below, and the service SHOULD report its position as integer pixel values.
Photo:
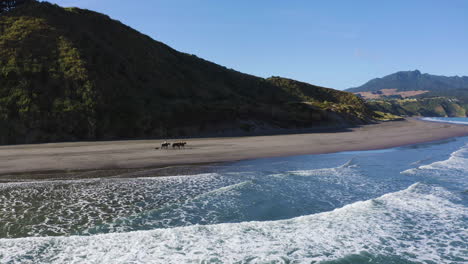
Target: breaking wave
(454, 169)
(54, 208)
(382, 226)
(340, 170)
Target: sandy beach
(137, 154)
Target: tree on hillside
(7, 5)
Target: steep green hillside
(72, 74)
(344, 103)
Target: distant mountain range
(70, 74)
(430, 95)
(414, 80)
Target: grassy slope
(447, 96)
(347, 104)
(69, 74)
(438, 106)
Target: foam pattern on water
(206, 208)
(454, 169)
(250, 197)
(343, 183)
(420, 223)
(95, 206)
(73, 207)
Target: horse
(165, 145)
(179, 145)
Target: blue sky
(337, 44)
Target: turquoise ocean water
(399, 205)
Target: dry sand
(142, 153)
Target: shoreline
(141, 155)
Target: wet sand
(139, 154)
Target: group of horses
(178, 145)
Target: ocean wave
(63, 207)
(454, 168)
(340, 170)
(118, 178)
(344, 177)
(432, 119)
(381, 226)
(205, 208)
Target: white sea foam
(340, 175)
(419, 223)
(431, 119)
(225, 189)
(67, 207)
(454, 168)
(458, 160)
(346, 176)
(205, 208)
(340, 170)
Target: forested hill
(73, 74)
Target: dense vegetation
(347, 104)
(72, 74)
(437, 106)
